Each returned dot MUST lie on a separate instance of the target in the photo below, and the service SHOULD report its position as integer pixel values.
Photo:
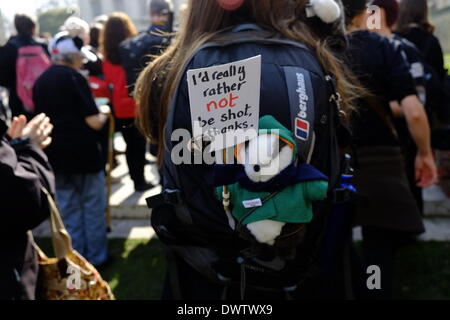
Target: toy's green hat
(270, 125)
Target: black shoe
(142, 187)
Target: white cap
(63, 43)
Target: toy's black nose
(257, 168)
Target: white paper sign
(225, 102)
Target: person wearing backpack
(387, 211)
(205, 253)
(22, 60)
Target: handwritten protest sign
(225, 102)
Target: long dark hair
(203, 22)
(413, 13)
(354, 8)
(118, 28)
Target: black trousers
(136, 149)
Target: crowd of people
(377, 94)
(75, 80)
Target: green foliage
(51, 20)
(447, 62)
(138, 269)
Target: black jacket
(429, 46)
(137, 52)
(8, 59)
(24, 170)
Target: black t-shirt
(64, 95)
(381, 68)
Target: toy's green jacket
(297, 187)
(291, 205)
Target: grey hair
(67, 58)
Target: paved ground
(121, 229)
(126, 204)
(437, 204)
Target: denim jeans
(82, 201)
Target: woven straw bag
(68, 276)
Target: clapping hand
(38, 130)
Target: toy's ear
(286, 157)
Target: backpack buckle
(172, 197)
(168, 196)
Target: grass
(423, 270)
(447, 62)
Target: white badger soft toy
(271, 190)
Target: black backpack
(197, 229)
(137, 52)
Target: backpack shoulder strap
(15, 43)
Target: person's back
(210, 223)
(429, 45)
(388, 211)
(414, 59)
(76, 154)
(382, 70)
(140, 50)
(414, 24)
(8, 61)
(64, 94)
(119, 28)
(192, 220)
(115, 77)
(273, 95)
